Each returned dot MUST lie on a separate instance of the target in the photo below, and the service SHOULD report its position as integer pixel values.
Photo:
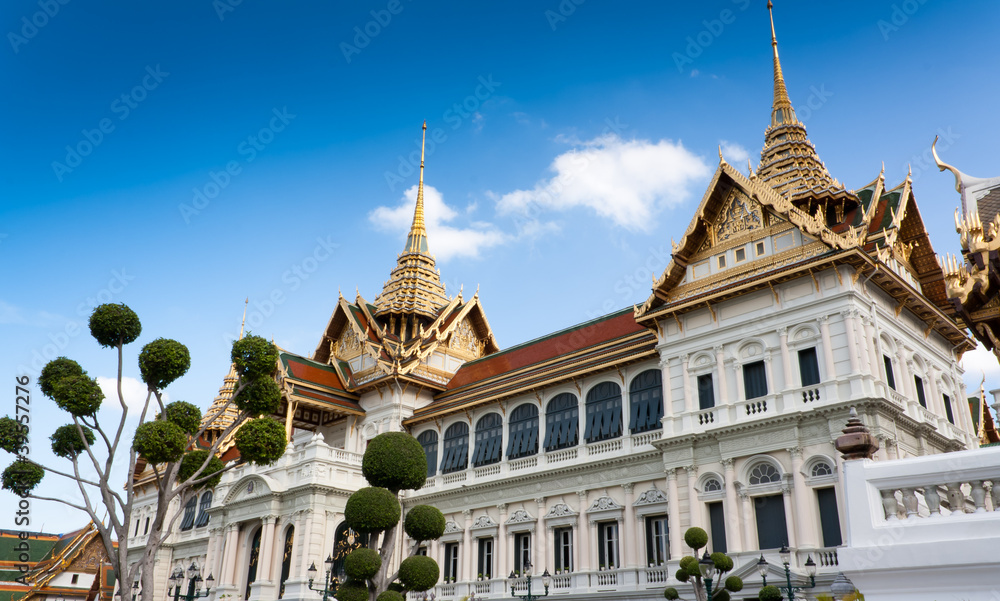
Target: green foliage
(721, 595)
(162, 361)
(254, 357)
(682, 575)
(372, 509)
(395, 460)
(112, 325)
(687, 560)
(396, 586)
(22, 476)
(160, 441)
(391, 595)
(185, 415)
(352, 590)
(670, 593)
(66, 441)
(13, 434)
(419, 573)
(259, 397)
(769, 593)
(56, 370)
(722, 562)
(362, 564)
(424, 522)
(193, 460)
(696, 538)
(78, 395)
(734, 583)
(261, 441)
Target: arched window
(187, 522)
(523, 431)
(763, 473)
(604, 412)
(345, 540)
(206, 502)
(429, 440)
(286, 559)
(646, 402)
(713, 485)
(562, 422)
(821, 468)
(489, 440)
(456, 448)
(254, 560)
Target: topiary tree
(769, 593)
(393, 461)
(690, 571)
(171, 446)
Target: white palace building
(589, 452)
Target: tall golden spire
(781, 111)
(244, 322)
(416, 241)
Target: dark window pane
(187, 522)
(706, 392)
(429, 440)
(889, 377)
(947, 409)
(563, 544)
(456, 448)
(772, 532)
(286, 559)
(206, 502)
(254, 560)
(657, 540)
(646, 402)
(717, 519)
(489, 440)
(485, 562)
(808, 367)
(754, 380)
(562, 422)
(919, 385)
(604, 412)
(523, 433)
(829, 517)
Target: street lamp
(786, 557)
(546, 581)
(762, 568)
(330, 583)
(194, 584)
(707, 568)
(841, 587)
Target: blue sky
(218, 152)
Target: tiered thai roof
(81, 551)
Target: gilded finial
(881, 174)
(721, 160)
(942, 166)
(749, 168)
(244, 323)
(417, 239)
(782, 110)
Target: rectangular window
(450, 562)
(829, 517)
(563, 543)
(485, 558)
(760, 248)
(145, 528)
(754, 380)
(741, 255)
(657, 543)
(717, 521)
(919, 385)
(722, 261)
(76, 577)
(706, 393)
(808, 367)
(522, 551)
(947, 409)
(772, 531)
(890, 379)
(136, 533)
(422, 551)
(607, 533)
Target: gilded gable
(740, 215)
(465, 341)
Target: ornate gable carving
(604, 504)
(348, 346)
(560, 510)
(519, 517)
(452, 527)
(484, 521)
(650, 497)
(740, 215)
(464, 340)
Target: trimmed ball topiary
(162, 361)
(160, 441)
(185, 415)
(687, 560)
(22, 476)
(722, 562)
(362, 564)
(13, 434)
(682, 575)
(66, 441)
(695, 537)
(352, 590)
(193, 460)
(721, 595)
(372, 509)
(670, 593)
(769, 593)
(395, 460)
(734, 584)
(419, 573)
(254, 357)
(261, 441)
(424, 522)
(390, 595)
(78, 395)
(56, 370)
(112, 324)
(260, 397)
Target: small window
(607, 532)
(947, 409)
(808, 367)
(422, 550)
(145, 529)
(717, 524)
(136, 533)
(741, 255)
(489, 440)
(821, 468)
(829, 517)
(76, 578)
(187, 522)
(918, 383)
(657, 542)
(450, 562)
(523, 431)
(604, 412)
(764, 473)
(646, 402)
(759, 248)
(564, 549)
(706, 392)
(429, 441)
(755, 380)
(485, 562)
(456, 448)
(713, 485)
(562, 421)
(206, 502)
(890, 379)
(722, 261)
(522, 551)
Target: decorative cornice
(560, 510)
(520, 517)
(650, 497)
(604, 504)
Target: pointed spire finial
(244, 322)
(416, 241)
(781, 110)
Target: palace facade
(590, 451)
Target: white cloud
(979, 363)
(134, 392)
(735, 154)
(626, 181)
(445, 241)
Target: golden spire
(781, 111)
(416, 241)
(244, 322)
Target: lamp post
(707, 568)
(546, 581)
(786, 557)
(330, 583)
(194, 584)
(841, 587)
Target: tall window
(522, 551)
(253, 561)
(563, 542)
(646, 402)
(829, 517)
(772, 531)
(187, 522)
(890, 379)
(286, 559)
(206, 502)
(136, 533)
(607, 534)
(523, 431)
(947, 408)
(657, 541)
(706, 392)
(456, 448)
(604, 412)
(562, 422)
(808, 367)
(429, 440)
(145, 528)
(451, 562)
(489, 440)
(485, 558)
(918, 383)
(717, 523)
(754, 380)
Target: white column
(215, 557)
(231, 551)
(628, 537)
(595, 542)
(740, 389)
(769, 372)
(786, 359)
(668, 401)
(935, 403)
(720, 364)
(674, 515)
(786, 494)
(800, 496)
(694, 505)
(300, 561)
(866, 360)
(581, 546)
(306, 547)
(824, 329)
(688, 394)
(733, 541)
(502, 560)
(266, 549)
(539, 559)
(875, 360)
(852, 338)
(466, 572)
(749, 521)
